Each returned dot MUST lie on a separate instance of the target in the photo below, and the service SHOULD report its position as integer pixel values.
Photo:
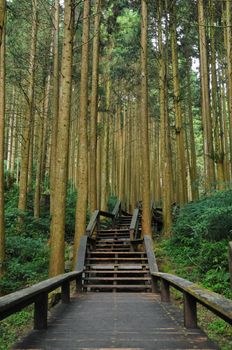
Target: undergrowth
(198, 251)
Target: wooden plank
(153, 267)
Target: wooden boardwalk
(116, 321)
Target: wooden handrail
(92, 223)
(38, 294)
(192, 293)
(215, 302)
(134, 226)
(117, 209)
(152, 264)
(95, 218)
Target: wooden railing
(38, 295)
(134, 226)
(192, 293)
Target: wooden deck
(116, 321)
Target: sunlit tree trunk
(94, 109)
(81, 209)
(146, 217)
(57, 230)
(2, 131)
(29, 112)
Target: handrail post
(79, 284)
(190, 311)
(165, 291)
(65, 292)
(41, 311)
(154, 284)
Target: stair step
(115, 258)
(117, 253)
(119, 286)
(140, 272)
(113, 230)
(119, 266)
(117, 279)
(112, 240)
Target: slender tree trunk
(41, 150)
(193, 162)
(164, 130)
(94, 109)
(229, 71)
(25, 148)
(206, 117)
(2, 134)
(219, 151)
(2, 19)
(180, 147)
(146, 217)
(55, 99)
(81, 209)
(58, 216)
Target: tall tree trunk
(2, 134)
(164, 130)
(206, 116)
(193, 160)
(219, 151)
(94, 109)
(41, 150)
(55, 99)
(180, 148)
(229, 71)
(81, 209)
(146, 217)
(2, 19)
(58, 216)
(25, 148)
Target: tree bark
(206, 116)
(56, 265)
(146, 216)
(2, 134)
(25, 148)
(94, 109)
(55, 99)
(81, 209)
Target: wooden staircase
(112, 265)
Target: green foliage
(210, 219)
(12, 327)
(198, 247)
(111, 203)
(26, 264)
